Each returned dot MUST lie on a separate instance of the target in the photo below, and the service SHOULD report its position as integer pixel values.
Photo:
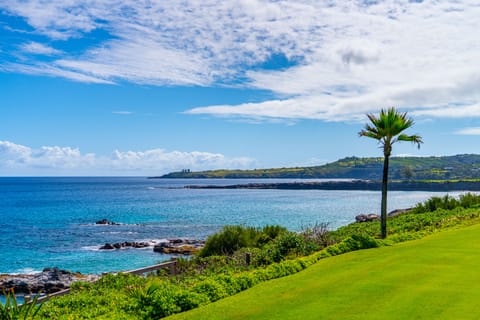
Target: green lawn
(437, 277)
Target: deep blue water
(50, 222)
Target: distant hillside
(404, 168)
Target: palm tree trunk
(383, 213)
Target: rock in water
(107, 222)
(126, 244)
(179, 246)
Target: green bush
(156, 300)
(270, 233)
(232, 238)
(229, 240)
(211, 288)
(246, 280)
(188, 300)
(467, 200)
(353, 243)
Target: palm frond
(415, 139)
(388, 127)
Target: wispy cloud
(54, 160)
(38, 48)
(51, 71)
(454, 111)
(354, 56)
(474, 131)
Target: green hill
(433, 278)
(404, 168)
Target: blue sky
(147, 87)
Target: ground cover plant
(273, 252)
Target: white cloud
(159, 160)
(38, 48)
(17, 157)
(474, 131)
(459, 111)
(54, 160)
(52, 71)
(353, 56)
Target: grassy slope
(433, 278)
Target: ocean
(50, 222)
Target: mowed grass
(437, 277)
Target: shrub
(290, 243)
(246, 280)
(467, 200)
(447, 202)
(270, 233)
(156, 300)
(211, 288)
(352, 243)
(233, 238)
(188, 300)
(317, 234)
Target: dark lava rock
(48, 281)
(179, 246)
(122, 245)
(397, 212)
(107, 222)
(367, 217)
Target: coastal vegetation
(388, 129)
(273, 252)
(431, 278)
(464, 167)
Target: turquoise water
(50, 222)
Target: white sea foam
(92, 248)
(26, 271)
(119, 232)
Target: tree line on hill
(457, 167)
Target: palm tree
(387, 129)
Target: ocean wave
(91, 248)
(118, 224)
(26, 271)
(119, 232)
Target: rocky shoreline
(181, 246)
(370, 185)
(178, 246)
(48, 281)
(52, 280)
